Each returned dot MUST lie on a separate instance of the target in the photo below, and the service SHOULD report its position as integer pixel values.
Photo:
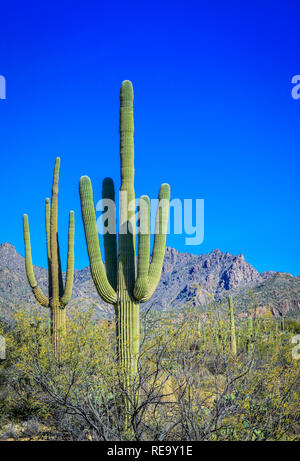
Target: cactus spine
(123, 284)
(58, 294)
(232, 327)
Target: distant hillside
(15, 291)
(186, 278)
(280, 293)
(203, 278)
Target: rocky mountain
(186, 278)
(15, 291)
(280, 294)
(203, 278)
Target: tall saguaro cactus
(232, 327)
(124, 283)
(58, 294)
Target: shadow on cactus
(58, 294)
(126, 283)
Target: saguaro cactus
(58, 294)
(250, 336)
(123, 284)
(232, 327)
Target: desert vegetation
(189, 384)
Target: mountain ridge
(196, 280)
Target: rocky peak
(186, 278)
(9, 257)
(7, 247)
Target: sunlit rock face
(194, 280)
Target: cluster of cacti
(58, 294)
(121, 282)
(238, 338)
(125, 284)
(232, 327)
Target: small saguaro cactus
(218, 337)
(199, 328)
(124, 283)
(232, 327)
(250, 336)
(282, 322)
(58, 294)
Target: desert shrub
(292, 326)
(188, 385)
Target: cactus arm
(37, 291)
(60, 276)
(105, 290)
(161, 225)
(47, 218)
(110, 238)
(48, 233)
(126, 140)
(141, 284)
(70, 262)
(41, 298)
(127, 308)
(53, 235)
(127, 262)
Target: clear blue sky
(214, 115)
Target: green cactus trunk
(58, 327)
(232, 327)
(127, 308)
(128, 334)
(58, 294)
(124, 283)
